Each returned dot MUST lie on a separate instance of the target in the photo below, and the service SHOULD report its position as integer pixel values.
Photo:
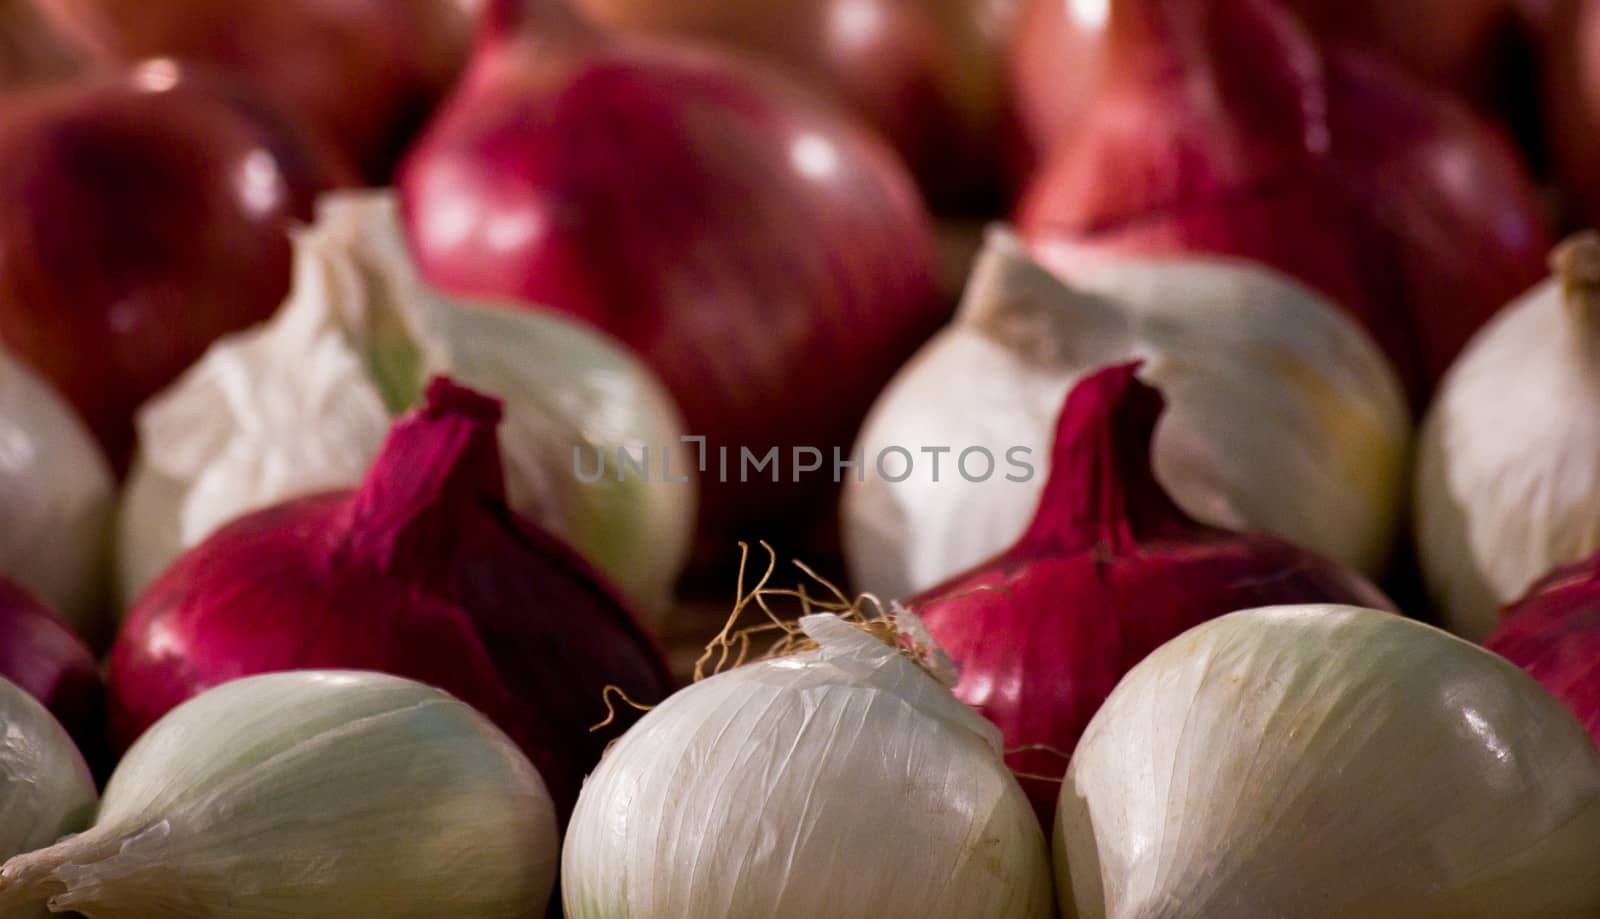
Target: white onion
(1329, 761)
(845, 781)
(310, 793)
(45, 788)
(55, 497)
(1508, 473)
(1284, 416)
(302, 404)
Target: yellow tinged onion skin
(1326, 762)
(310, 793)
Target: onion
(1554, 633)
(56, 499)
(422, 571)
(1108, 569)
(1285, 417)
(309, 794)
(1508, 474)
(32, 50)
(1329, 761)
(754, 247)
(45, 788)
(301, 404)
(927, 74)
(41, 655)
(145, 216)
(1454, 43)
(1571, 72)
(1394, 200)
(1054, 65)
(842, 781)
(362, 73)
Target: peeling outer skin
(843, 781)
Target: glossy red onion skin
(1054, 65)
(771, 261)
(927, 74)
(1109, 570)
(472, 600)
(1388, 197)
(41, 655)
(140, 224)
(362, 73)
(1553, 632)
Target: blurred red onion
(1572, 101)
(423, 572)
(928, 74)
(363, 73)
(41, 655)
(1453, 43)
(1553, 632)
(1223, 129)
(1109, 570)
(145, 215)
(32, 50)
(768, 258)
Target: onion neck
(1102, 492)
(1576, 263)
(439, 469)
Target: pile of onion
(928, 74)
(422, 571)
(755, 246)
(1554, 634)
(1222, 127)
(363, 74)
(145, 215)
(1109, 569)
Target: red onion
(32, 50)
(41, 655)
(1053, 65)
(145, 215)
(1108, 570)
(364, 73)
(1222, 129)
(1553, 632)
(1572, 100)
(928, 74)
(1449, 42)
(423, 572)
(769, 259)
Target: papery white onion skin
(45, 788)
(55, 499)
(296, 407)
(1508, 470)
(843, 781)
(1284, 416)
(311, 793)
(1328, 761)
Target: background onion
(754, 246)
(362, 73)
(1108, 570)
(1571, 58)
(145, 215)
(928, 74)
(1392, 198)
(56, 500)
(32, 50)
(422, 572)
(41, 655)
